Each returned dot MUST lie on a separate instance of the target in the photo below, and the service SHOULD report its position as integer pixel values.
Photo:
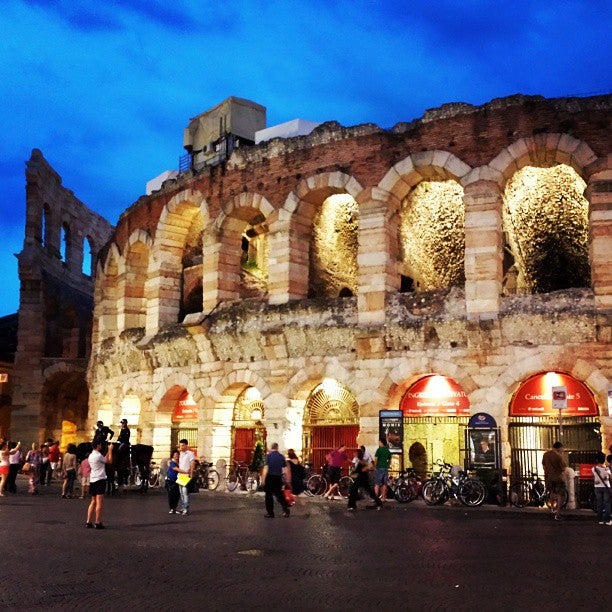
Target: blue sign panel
(482, 420)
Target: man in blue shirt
(272, 479)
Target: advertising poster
(483, 448)
(391, 427)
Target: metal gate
(531, 437)
(190, 434)
(319, 440)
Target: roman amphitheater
(453, 267)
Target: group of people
(555, 464)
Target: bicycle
(317, 485)
(156, 478)
(406, 487)
(241, 475)
(531, 491)
(206, 477)
(439, 489)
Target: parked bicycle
(405, 487)
(449, 483)
(532, 491)
(156, 478)
(317, 485)
(241, 476)
(206, 477)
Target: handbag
(183, 479)
(289, 497)
(26, 467)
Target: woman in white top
(97, 482)
(5, 455)
(602, 480)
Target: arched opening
(333, 248)
(436, 412)
(130, 410)
(191, 276)
(432, 236)
(88, 257)
(546, 225)
(254, 259)
(331, 418)
(65, 244)
(45, 224)
(247, 425)
(534, 425)
(184, 421)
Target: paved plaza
(227, 556)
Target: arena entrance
(436, 413)
(247, 426)
(331, 418)
(185, 422)
(534, 426)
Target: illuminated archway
(247, 425)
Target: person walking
(15, 463)
(554, 465)
(382, 461)
(335, 460)
(97, 487)
(298, 473)
(272, 480)
(34, 458)
(187, 460)
(361, 480)
(44, 464)
(171, 485)
(603, 481)
(5, 455)
(69, 471)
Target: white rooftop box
(155, 183)
(289, 129)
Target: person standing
(603, 481)
(34, 458)
(97, 482)
(187, 461)
(15, 463)
(85, 472)
(54, 458)
(69, 471)
(298, 473)
(335, 460)
(44, 464)
(382, 461)
(172, 486)
(554, 465)
(361, 480)
(5, 454)
(272, 480)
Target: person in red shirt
(335, 459)
(54, 457)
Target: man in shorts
(554, 465)
(97, 482)
(382, 461)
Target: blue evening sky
(105, 88)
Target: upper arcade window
(432, 237)
(87, 267)
(546, 226)
(254, 259)
(334, 244)
(65, 254)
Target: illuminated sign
(3, 377)
(435, 396)
(535, 397)
(185, 410)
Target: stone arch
(133, 276)
(177, 248)
(107, 293)
(244, 378)
(297, 225)
(170, 382)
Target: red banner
(534, 397)
(185, 410)
(435, 396)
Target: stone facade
(380, 333)
(56, 272)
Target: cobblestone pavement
(226, 555)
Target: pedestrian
(97, 487)
(361, 480)
(187, 461)
(272, 480)
(44, 464)
(554, 465)
(34, 459)
(69, 471)
(602, 480)
(54, 459)
(85, 473)
(382, 461)
(298, 473)
(5, 455)
(335, 459)
(172, 486)
(15, 463)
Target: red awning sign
(185, 410)
(535, 397)
(435, 396)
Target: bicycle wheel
(212, 480)
(252, 484)
(519, 494)
(564, 498)
(435, 492)
(316, 485)
(404, 493)
(472, 492)
(344, 486)
(231, 482)
(153, 479)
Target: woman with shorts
(335, 459)
(97, 482)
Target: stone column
(599, 195)
(483, 249)
(377, 255)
